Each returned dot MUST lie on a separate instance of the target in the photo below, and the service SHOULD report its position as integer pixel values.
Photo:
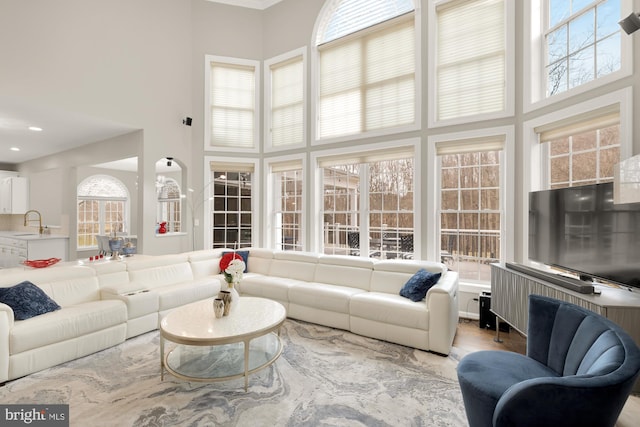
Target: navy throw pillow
(245, 258)
(27, 300)
(417, 286)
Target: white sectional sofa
(104, 303)
(85, 324)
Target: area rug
(324, 377)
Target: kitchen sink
(24, 234)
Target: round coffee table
(211, 349)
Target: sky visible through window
(583, 42)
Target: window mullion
(365, 209)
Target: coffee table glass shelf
(205, 348)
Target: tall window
(288, 188)
(582, 42)
(470, 209)
(169, 203)
(232, 213)
(233, 91)
(471, 58)
(102, 207)
(368, 205)
(286, 101)
(581, 152)
(367, 71)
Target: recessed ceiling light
(35, 128)
(14, 149)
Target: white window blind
(367, 80)
(232, 104)
(473, 145)
(287, 102)
(286, 166)
(370, 156)
(232, 166)
(593, 120)
(471, 68)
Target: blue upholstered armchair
(579, 370)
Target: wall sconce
(169, 161)
(631, 23)
(187, 121)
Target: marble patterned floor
(324, 377)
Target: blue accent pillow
(417, 286)
(245, 258)
(27, 300)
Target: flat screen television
(580, 229)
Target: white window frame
(507, 188)
(101, 207)
(315, 84)
(164, 208)
(256, 198)
(510, 53)
(534, 76)
(533, 170)
(273, 192)
(317, 179)
(208, 59)
(268, 145)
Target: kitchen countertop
(21, 235)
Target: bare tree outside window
(582, 42)
(584, 158)
(470, 214)
(389, 222)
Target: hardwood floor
(472, 338)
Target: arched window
(366, 62)
(169, 203)
(103, 205)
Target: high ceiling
(62, 130)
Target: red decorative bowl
(41, 263)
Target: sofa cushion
(257, 285)
(179, 294)
(260, 260)
(27, 300)
(341, 270)
(417, 286)
(294, 265)
(390, 309)
(159, 276)
(322, 296)
(205, 262)
(70, 322)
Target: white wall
(119, 60)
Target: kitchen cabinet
(14, 195)
(15, 250)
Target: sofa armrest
(10, 315)
(6, 322)
(139, 303)
(442, 303)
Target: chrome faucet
(27, 220)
